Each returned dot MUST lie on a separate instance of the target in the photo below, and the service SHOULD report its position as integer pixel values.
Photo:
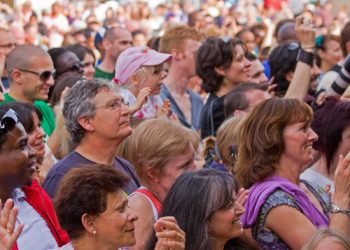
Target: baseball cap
(133, 58)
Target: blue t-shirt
(73, 160)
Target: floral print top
(268, 239)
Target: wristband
(306, 57)
(338, 210)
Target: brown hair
(84, 190)
(345, 38)
(261, 138)
(154, 142)
(176, 37)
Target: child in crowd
(140, 71)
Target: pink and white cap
(133, 58)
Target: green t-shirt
(103, 74)
(48, 123)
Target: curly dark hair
(213, 53)
(84, 190)
(282, 60)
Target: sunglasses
(44, 75)
(8, 121)
(76, 67)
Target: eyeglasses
(8, 121)
(76, 67)
(44, 75)
(115, 104)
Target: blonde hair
(227, 139)
(142, 71)
(176, 37)
(154, 142)
(327, 233)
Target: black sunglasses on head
(44, 75)
(8, 121)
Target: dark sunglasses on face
(76, 67)
(8, 121)
(44, 75)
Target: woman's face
(115, 226)
(333, 53)
(238, 72)
(17, 159)
(225, 223)
(89, 69)
(298, 139)
(176, 166)
(36, 137)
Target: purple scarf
(259, 192)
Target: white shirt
(36, 234)
(149, 109)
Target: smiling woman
(208, 219)
(31, 118)
(92, 206)
(35, 210)
(275, 147)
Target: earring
(94, 232)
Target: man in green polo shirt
(115, 41)
(30, 71)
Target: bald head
(23, 56)
(286, 33)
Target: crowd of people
(192, 125)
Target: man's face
(122, 42)
(111, 120)
(69, 62)
(34, 86)
(7, 42)
(188, 58)
(257, 72)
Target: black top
(212, 115)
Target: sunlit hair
(143, 71)
(327, 233)
(175, 38)
(227, 139)
(193, 200)
(261, 142)
(154, 142)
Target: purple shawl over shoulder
(259, 192)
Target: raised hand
(169, 234)
(8, 234)
(305, 32)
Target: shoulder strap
(154, 200)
